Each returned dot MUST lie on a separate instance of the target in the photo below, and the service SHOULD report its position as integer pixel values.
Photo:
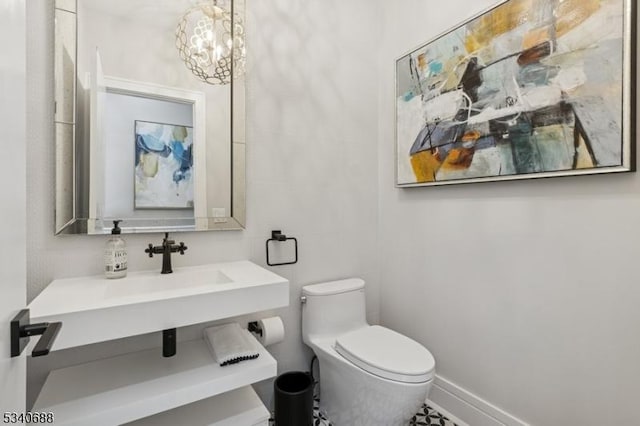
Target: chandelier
(210, 41)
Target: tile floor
(427, 416)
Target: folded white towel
(230, 344)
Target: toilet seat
(387, 354)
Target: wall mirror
(149, 115)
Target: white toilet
(369, 375)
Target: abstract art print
(530, 88)
(163, 166)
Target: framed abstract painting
(527, 89)
(163, 166)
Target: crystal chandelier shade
(209, 47)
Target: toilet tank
(333, 308)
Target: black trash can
(293, 394)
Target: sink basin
(145, 302)
(151, 282)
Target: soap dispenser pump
(115, 254)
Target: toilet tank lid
(333, 287)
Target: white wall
(525, 292)
(311, 165)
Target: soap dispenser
(115, 254)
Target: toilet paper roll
(272, 331)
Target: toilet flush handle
(303, 299)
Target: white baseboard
(465, 407)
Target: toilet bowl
(369, 375)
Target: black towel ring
(278, 236)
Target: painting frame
(627, 117)
(191, 180)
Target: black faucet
(168, 246)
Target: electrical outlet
(219, 212)
(219, 215)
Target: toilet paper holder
(254, 327)
(278, 236)
(267, 331)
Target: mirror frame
(68, 215)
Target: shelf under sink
(137, 385)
